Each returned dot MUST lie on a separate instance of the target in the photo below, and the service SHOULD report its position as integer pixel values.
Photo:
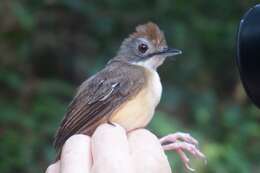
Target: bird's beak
(168, 52)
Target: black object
(248, 53)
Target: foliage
(49, 47)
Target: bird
(126, 92)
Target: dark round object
(142, 48)
(248, 53)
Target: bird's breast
(138, 111)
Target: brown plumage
(150, 31)
(126, 91)
(98, 97)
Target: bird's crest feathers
(150, 31)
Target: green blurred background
(48, 47)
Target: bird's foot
(181, 142)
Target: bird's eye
(142, 48)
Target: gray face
(142, 51)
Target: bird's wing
(98, 97)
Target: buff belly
(138, 112)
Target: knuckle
(144, 133)
(78, 138)
(102, 127)
(186, 134)
(50, 169)
(178, 133)
(108, 127)
(74, 143)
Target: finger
(54, 168)
(147, 152)
(110, 150)
(76, 155)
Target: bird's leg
(181, 142)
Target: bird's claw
(181, 142)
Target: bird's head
(147, 47)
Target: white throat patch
(151, 63)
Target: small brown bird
(126, 92)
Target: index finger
(147, 152)
(76, 155)
(110, 150)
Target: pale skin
(112, 150)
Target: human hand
(112, 150)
